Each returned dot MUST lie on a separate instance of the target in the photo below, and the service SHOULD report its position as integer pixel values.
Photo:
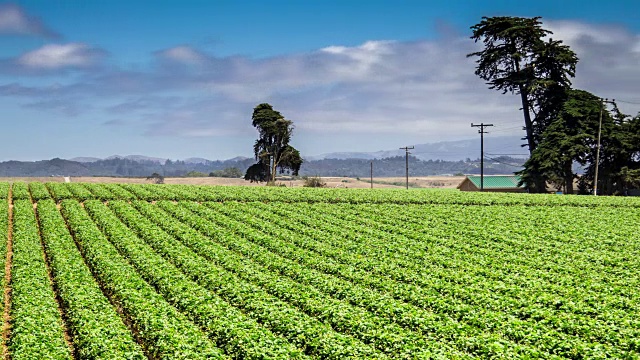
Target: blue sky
(178, 79)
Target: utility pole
(406, 160)
(595, 181)
(481, 132)
(372, 174)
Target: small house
(492, 183)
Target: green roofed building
(493, 183)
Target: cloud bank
(424, 88)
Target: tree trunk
(528, 124)
(540, 181)
(568, 177)
(273, 169)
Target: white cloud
(14, 21)
(182, 54)
(359, 59)
(56, 56)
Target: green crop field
(122, 271)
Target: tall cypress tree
(518, 58)
(272, 149)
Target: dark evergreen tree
(517, 58)
(258, 172)
(272, 149)
(619, 166)
(568, 138)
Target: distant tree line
(118, 167)
(230, 172)
(393, 166)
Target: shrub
(156, 178)
(313, 181)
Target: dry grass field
(443, 182)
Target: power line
(508, 122)
(628, 102)
(510, 146)
(507, 129)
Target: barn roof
(496, 181)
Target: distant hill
(85, 159)
(139, 158)
(196, 160)
(395, 166)
(142, 158)
(444, 150)
(446, 157)
(53, 167)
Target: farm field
(137, 271)
(442, 182)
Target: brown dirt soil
(31, 179)
(6, 328)
(440, 182)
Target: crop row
(252, 280)
(274, 249)
(108, 192)
(368, 327)
(215, 268)
(155, 192)
(79, 192)
(59, 191)
(118, 192)
(226, 326)
(375, 252)
(163, 331)
(150, 192)
(37, 330)
(458, 276)
(557, 260)
(282, 253)
(229, 277)
(4, 237)
(38, 191)
(96, 329)
(20, 191)
(4, 190)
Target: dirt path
(6, 326)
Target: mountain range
(443, 150)
(440, 158)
